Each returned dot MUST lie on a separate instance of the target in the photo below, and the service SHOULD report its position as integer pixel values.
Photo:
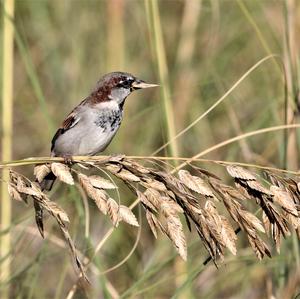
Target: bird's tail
(46, 185)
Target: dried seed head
(284, 199)
(127, 216)
(122, 173)
(40, 172)
(175, 233)
(13, 193)
(153, 197)
(99, 196)
(255, 185)
(240, 173)
(224, 233)
(164, 197)
(33, 191)
(252, 220)
(153, 223)
(113, 211)
(101, 183)
(169, 207)
(154, 184)
(62, 172)
(195, 183)
(145, 201)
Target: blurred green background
(63, 47)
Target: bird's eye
(125, 83)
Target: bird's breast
(108, 120)
(92, 133)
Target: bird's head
(117, 86)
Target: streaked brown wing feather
(68, 123)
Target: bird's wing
(71, 121)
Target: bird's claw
(68, 160)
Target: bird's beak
(139, 84)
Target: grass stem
(7, 112)
(152, 12)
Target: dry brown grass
(195, 193)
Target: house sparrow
(90, 127)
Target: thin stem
(98, 247)
(257, 30)
(219, 101)
(231, 140)
(155, 29)
(87, 159)
(7, 112)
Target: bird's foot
(68, 160)
(116, 155)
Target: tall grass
(115, 36)
(156, 37)
(212, 59)
(292, 107)
(6, 140)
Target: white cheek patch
(108, 104)
(119, 94)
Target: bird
(91, 125)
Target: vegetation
(215, 150)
